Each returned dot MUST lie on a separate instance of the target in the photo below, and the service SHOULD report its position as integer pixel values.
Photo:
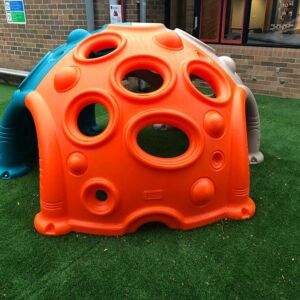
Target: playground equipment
(101, 181)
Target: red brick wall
(155, 11)
(276, 70)
(132, 11)
(101, 12)
(48, 24)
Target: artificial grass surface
(254, 259)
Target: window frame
(219, 23)
(224, 19)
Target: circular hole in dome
(101, 195)
(100, 52)
(202, 86)
(142, 81)
(93, 119)
(163, 140)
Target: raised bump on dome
(214, 124)
(169, 39)
(229, 62)
(202, 191)
(77, 163)
(66, 78)
(76, 35)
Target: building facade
(263, 36)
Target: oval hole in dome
(100, 53)
(163, 140)
(202, 86)
(142, 81)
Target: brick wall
(101, 12)
(155, 11)
(267, 70)
(48, 24)
(132, 11)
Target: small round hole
(142, 81)
(101, 195)
(93, 119)
(163, 141)
(202, 86)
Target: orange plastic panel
(208, 182)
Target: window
(253, 22)
(274, 22)
(210, 14)
(233, 21)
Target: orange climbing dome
(209, 181)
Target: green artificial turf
(253, 259)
